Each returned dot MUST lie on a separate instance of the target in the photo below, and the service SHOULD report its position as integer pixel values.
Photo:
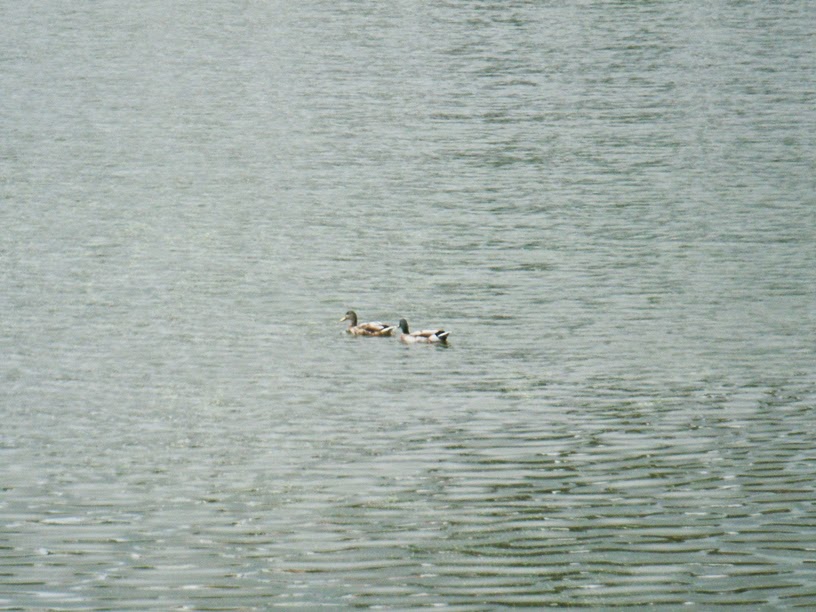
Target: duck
(374, 328)
(426, 335)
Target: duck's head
(403, 325)
(350, 316)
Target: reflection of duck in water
(375, 328)
(426, 335)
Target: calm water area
(610, 205)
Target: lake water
(610, 205)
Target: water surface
(610, 205)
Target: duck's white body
(426, 336)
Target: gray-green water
(611, 205)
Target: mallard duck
(426, 335)
(375, 328)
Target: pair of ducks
(375, 328)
